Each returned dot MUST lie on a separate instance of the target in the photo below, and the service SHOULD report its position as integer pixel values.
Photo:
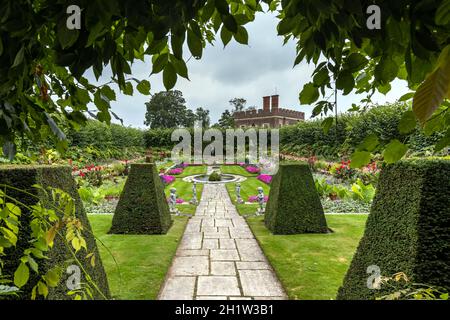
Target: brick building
(270, 116)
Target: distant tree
(226, 120)
(238, 104)
(166, 109)
(202, 115)
(189, 118)
(252, 108)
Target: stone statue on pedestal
(194, 194)
(238, 193)
(260, 198)
(173, 201)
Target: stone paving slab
(218, 257)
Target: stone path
(218, 257)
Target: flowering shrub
(255, 198)
(242, 164)
(343, 171)
(166, 179)
(266, 178)
(252, 169)
(175, 171)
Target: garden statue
(260, 198)
(238, 193)
(194, 194)
(173, 201)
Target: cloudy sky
(264, 67)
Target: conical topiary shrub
(294, 205)
(23, 178)
(142, 207)
(408, 229)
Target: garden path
(218, 257)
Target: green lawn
(142, 260)
(236, 170)
(184, 189)
(312, 266)
(248, 188)
(192, 170)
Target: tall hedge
(294, 206)
(24, 177)
(407, 229)
(142, 207)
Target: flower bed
(252, 169)
(166, 179)
(255, 198)
(266, 178)
(175, 171)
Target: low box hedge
(294, 205)
(142, 207)
(24, 177)
(408, 229)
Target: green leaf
(394, 151)
(52, 277)
(386, 70)
(222, 6)
(443, 13)
(309, 94)
(321, 78)
(360, 159)
(225, 35)
(194, 44)
(355, 62)
(241, 35)
(230, 23)
(434, 89)
(160, 62)
(169, 76)
(180, 67)
(19, 57)
(99, 101)
(326, 124)
(384, 89)
(42, 289)
(369, 143)
(406, 97)
(54, 127)
(345, 82)
(407, 123)
(144, 87)
(128, 89)
(177, 41)
(66, 37)
(21, 275)
(286, 26)
(108, 93)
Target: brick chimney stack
(275, 100)
(266, 104)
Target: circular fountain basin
(225, 178)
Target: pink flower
(179, 200)
(167, 179)
(255, 198)
(266, 178)
(176, 171)
(252, 169)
